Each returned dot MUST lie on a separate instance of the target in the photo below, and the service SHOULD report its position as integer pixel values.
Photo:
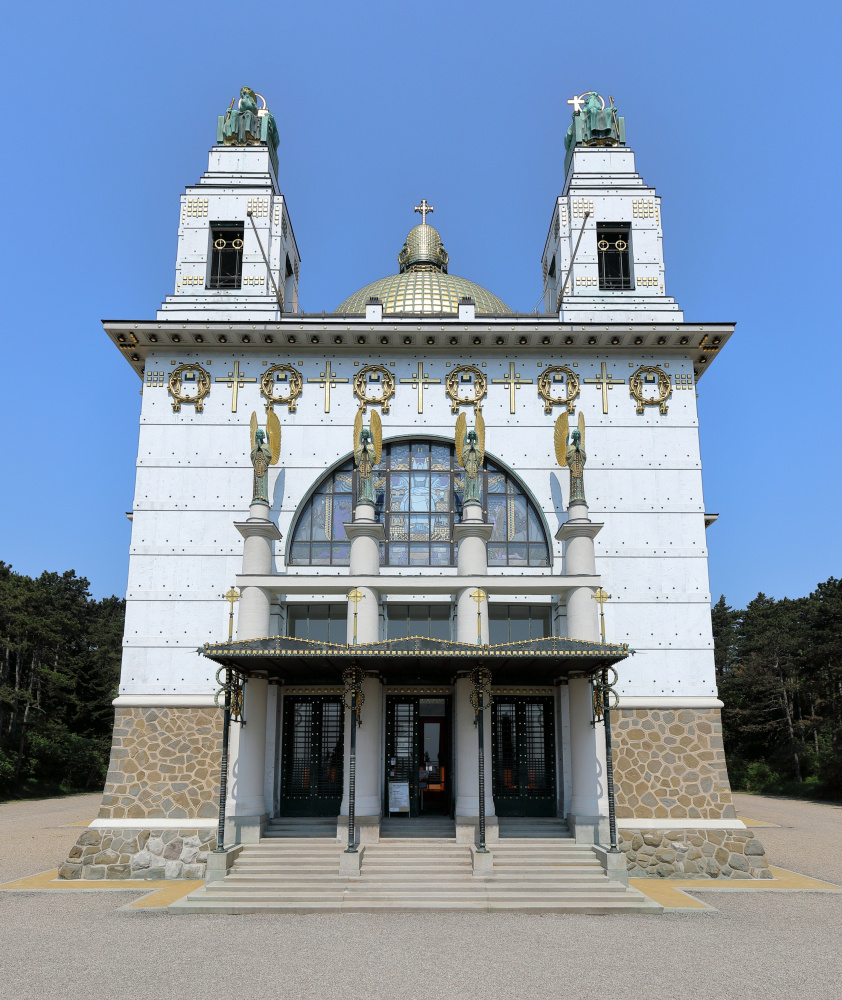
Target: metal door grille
(523, 752)
(312, 756)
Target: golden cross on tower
(424, 209)
(514, 382)
(420, 382)
(236, 380)
(601, 597)
(232, 597)
(607, 383)
(356, 596)
(479, 596)
(329, 380)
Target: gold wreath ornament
(545, 386)
(194, 375)
(267, 387)
(387, 382)
(664, 388)
(453, 381)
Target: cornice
(528, 334)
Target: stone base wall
(164, 765)
(139, 854)
(693, 854)
(670, 765)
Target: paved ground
(762, 945)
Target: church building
(452, 541)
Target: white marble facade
(643, 478)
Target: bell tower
(603, 260)
(237, 257)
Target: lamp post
(481, 681)
(352, 699)
(604, 694)
(226, 685)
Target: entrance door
(523, 750)
(313, 745)
(418, 765)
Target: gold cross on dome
(424, 209)
(329, 380)
(236, 380)
(607, 383)
(514, 382)
(420, 382)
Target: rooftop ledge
(348, 335)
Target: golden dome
(423, 285)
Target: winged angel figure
(265, 451)
(368, 443)
(570, 453)
(470, 453)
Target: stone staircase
(291, 871)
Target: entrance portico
(418, 688)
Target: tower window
(226, 255)
(612, 244)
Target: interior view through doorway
(419, 773)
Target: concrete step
(300, 876)
(591, 904)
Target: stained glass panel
(415, 486)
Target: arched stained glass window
(419, 488)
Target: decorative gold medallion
(469, 379)
(374, 377)
(654, 378)
(562, 379)
(189, 384)
(284, 377)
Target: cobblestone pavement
(755, 945)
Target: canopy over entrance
(413, 660)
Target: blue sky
(732, 109)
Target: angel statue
(367, 447)
(265, 451)
(470, 453)
(571, 454)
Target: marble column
(471, 535)
(366, 535)
(588, 807)
(246, 810)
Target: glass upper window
(419, 487)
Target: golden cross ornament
(513, 382)
(479, 596)
(606, 382)
(236, 380)
(232, 597)
(355, 596)
(420, 382)
(601, 597)
(329, 380)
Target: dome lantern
(422, 284)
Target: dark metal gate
(523, 752)
(313, 751)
